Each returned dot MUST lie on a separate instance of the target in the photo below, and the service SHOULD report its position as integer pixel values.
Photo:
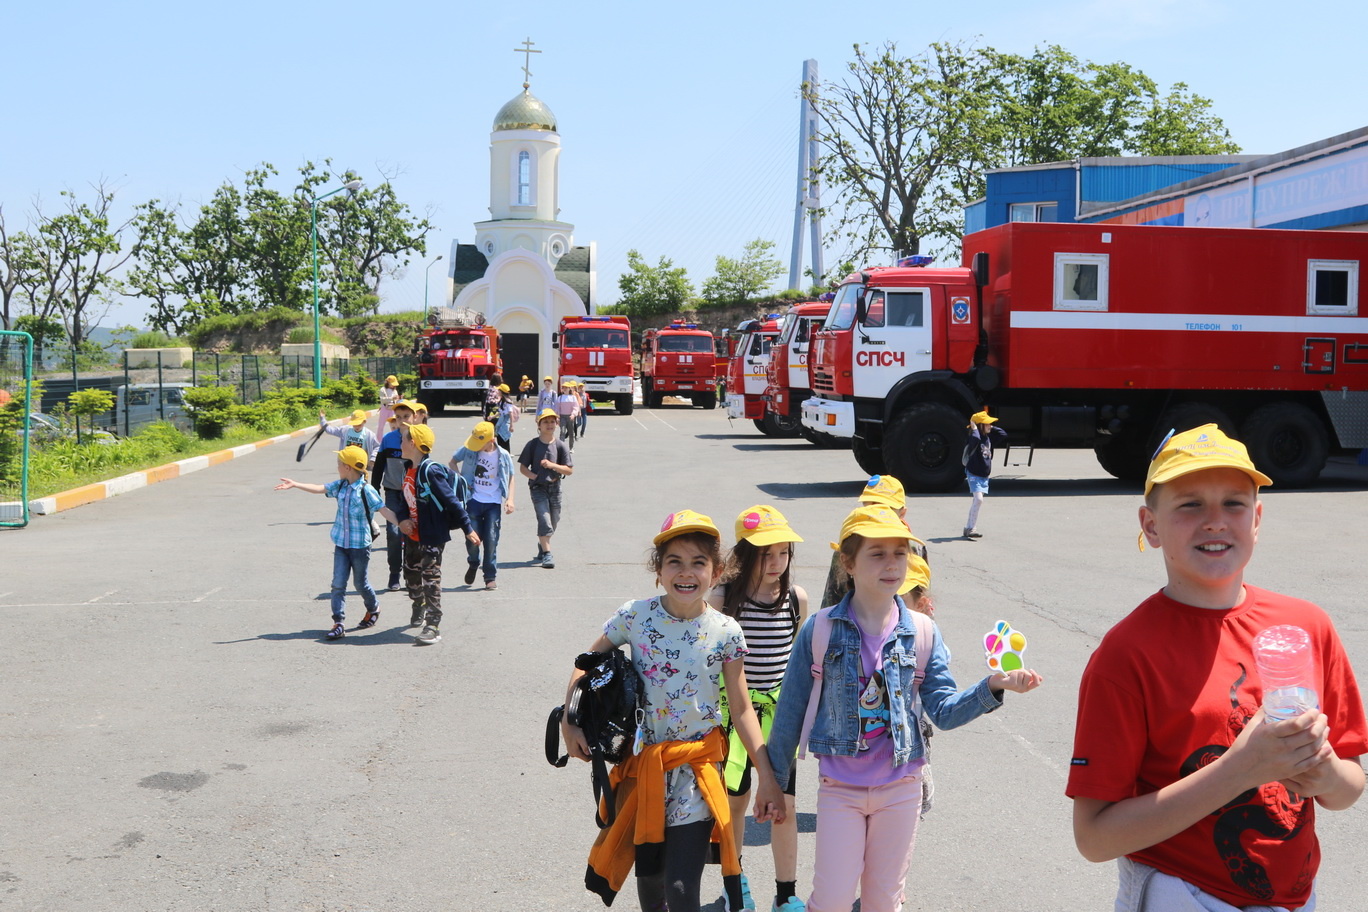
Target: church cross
(527, 52)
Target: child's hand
(473, 537)
(1290, 750)
(508, 507)
(1019, 681)
(575, 743)
(769, 801)
(322, 415)
(285, 484)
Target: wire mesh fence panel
(16, 387)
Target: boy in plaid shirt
(351, 533)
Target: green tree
(908, 140)
(88, 403)
(739, 281)
(16, 266)
(649, 290)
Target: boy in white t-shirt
(488, 472)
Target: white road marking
(207, 594)
(3, 594)
(1050, 762)
(663, 421)
(98, 597)
(638, 421)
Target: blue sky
(678, 122)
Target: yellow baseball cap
(982, 418)
(503, 388)
(419, 406)
(483, 433)
(884, 489)
(763, 525)
(1205, 447)
(353, 456)
(547, 413)
(548, 377)
(872, 521)
(391, 379)
(406, 404)
(422, 437)
(918, 574)
(358, 418)
(677, 524)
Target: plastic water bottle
(1287, 669)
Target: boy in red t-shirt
(1174, 772)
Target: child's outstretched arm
(575, 743)
(769, 798)
(1104, 830)
(306, 487)
(1019, 681)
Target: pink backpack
(821, 639)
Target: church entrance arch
(520, 356)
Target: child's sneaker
(393, 584)
(416, 619)
(471, 569)
(337, 632)
(548, 562)
(428, 636)
(370, 620)
(792, 904)
(747, 904)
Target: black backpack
(607, 705)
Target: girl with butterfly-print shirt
(683, 648)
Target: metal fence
(147, 387)
(16, 384)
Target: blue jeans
(394, 543)
(485, 521)
(355, 561)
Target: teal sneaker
(792, 904)
(747, 904)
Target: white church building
(523, 271)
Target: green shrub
(210, 408)
(154, 338)
(301, 335)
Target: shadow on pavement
(804, 489)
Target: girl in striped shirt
(760, 595)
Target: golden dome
(525, 112)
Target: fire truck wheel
(1287, 442)
(1123, 457)
(624, 404)
(779, 426)
(706, 400)
(923, 445)
(869, 460)
(436, 406)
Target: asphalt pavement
(177, 735)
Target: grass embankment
(65, 464)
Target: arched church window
(524, 179)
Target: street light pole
(350, 187)
(427, 273)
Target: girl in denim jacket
(865, 730)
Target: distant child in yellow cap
(389, 395)
(357, 502)
(759, 592)
(352, 431)
(866, 735)
(544, 462)
(978, 464)
(546, 398)
(524, 391)
(1174, 773)
(682, 649)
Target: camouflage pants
(423, 577)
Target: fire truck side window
(760, 345)
(1080, 281)
(874, 309)
(905, 308)
(843, 309)
(1332, 287)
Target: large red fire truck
(747, 379)
(788, 376)
(1102, 336)
(456, 355)
(597, 351)
(678, 361)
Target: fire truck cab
(1101, 336)
(597, 351)
(747, 376)
(678, 360)
(788, 376)
(455, 358)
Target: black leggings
(676, 888)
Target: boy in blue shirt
(351, 533)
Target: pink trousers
(864, 844)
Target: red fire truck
(1102, 336)
(788, 375)
(456, 355)
(597, 351)
(678, 361)
(746, 376)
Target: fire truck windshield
(684, 344)
(597, 337)
(461, 341)
(842, 314)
